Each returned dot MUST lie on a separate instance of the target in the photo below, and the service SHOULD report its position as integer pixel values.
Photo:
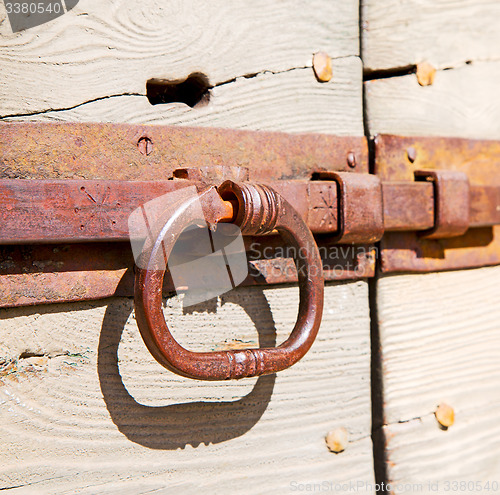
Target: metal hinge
(429, 203)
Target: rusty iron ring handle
(260, 210)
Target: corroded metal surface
(119, 151)
(397, 159)
(260, 211)
(40, 274)
(407, 252)
(477, 158)
(93, 210)
(360, 207)
(98, 210)
(451, 202)
(55, 273)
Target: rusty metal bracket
(465, 189)
(451, 202)
(360, 207)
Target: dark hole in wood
(193, 91)
(27, 355)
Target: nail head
(445, 415)
(322, 65)
(411, 153)
(337, 440)
(425, 74)
(351, 159)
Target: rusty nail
(337, 440)
(411, 153)
(425, 74)
(445, 415)
(351, 159)
(145, 145)
(322, 65)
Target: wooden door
(84, 408)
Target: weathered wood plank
(100, 49)
(462, 102)
(292, 101)
(440, 341)
(445, 33)
(98, 410)
(99, 415)
(439, 333)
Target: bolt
(322, 66)
(411, 153)
(145, 145)
(425, 74)
(337, 440)
(445, 415)
(351, 159)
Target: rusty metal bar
(48, 273)
(37, 211)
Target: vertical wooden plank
(438, 332)
(84, 407)
(440, 343)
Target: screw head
(337, 440)
(351, 159)
(445, 415)
(322, 66)
(145, 145)
(411, 153)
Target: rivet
(351, 159)
(145, 145)
(445, 415)
(425, 74)
(337, 440)
(411, 153)
(322, 65)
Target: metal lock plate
(399, 158)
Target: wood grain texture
(462, 102)
(445, 33)
(439, 333)
(440, 340)
(100, 49)
(84, 407)
(97, 413)
(291, 101)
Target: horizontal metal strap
(39, 211)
